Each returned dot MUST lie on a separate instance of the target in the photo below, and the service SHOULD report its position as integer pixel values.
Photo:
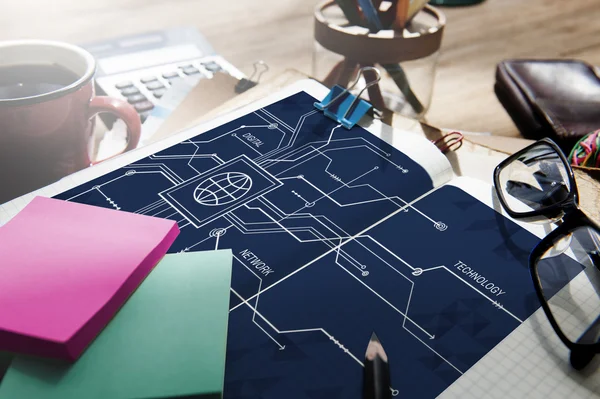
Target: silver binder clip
(260, 68)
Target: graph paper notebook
(168, 341)
(66, 269)
(338, 233)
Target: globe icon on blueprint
(222, 188)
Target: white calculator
(140, 68)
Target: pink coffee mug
(46, 135)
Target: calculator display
(144, 59)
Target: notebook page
(294, 196)
(531, 362)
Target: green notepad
(167, 341)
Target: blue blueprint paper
(326, 252)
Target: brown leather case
(559, 99)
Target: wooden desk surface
(280, 32)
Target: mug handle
(123, 110)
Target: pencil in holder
(407, 60)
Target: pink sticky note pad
(67, 268)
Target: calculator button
(144, 116)
(148, 79)
(129, 91)
(124, 84)
(170, 75)
(186, 66)
(212, 66)
(143, 106)
(155, 85)
(159, 93)
(190, 70)
(136, 98)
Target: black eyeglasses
(537, 183)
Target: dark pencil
(376, 384)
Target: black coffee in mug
(18, 81)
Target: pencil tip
(375, 349)
(374, 337)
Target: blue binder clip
(344, 107)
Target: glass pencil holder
(406, 60)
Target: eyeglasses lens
(535, 180)
(575, 307)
